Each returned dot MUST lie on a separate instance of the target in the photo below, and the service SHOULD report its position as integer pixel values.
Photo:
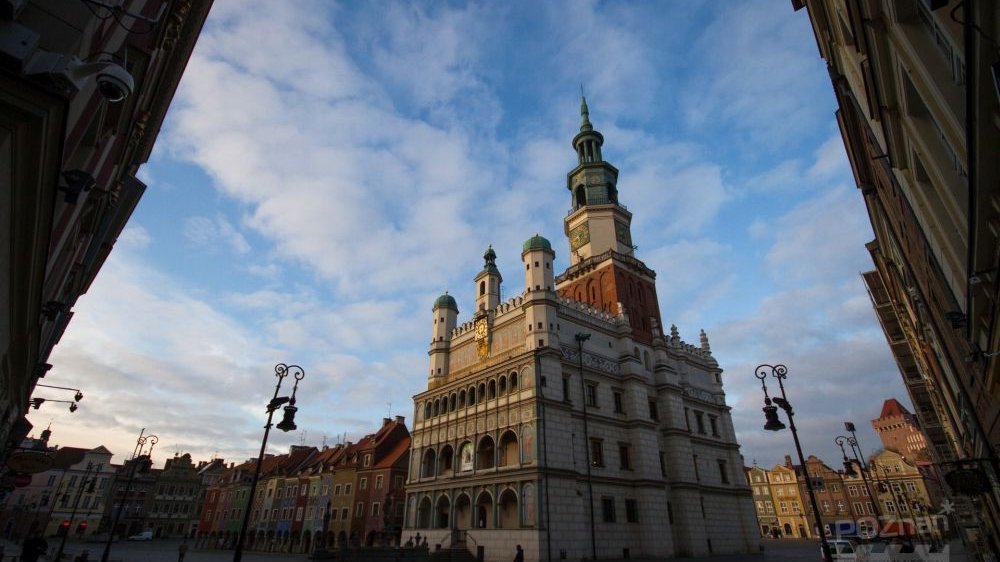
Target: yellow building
(788, 503)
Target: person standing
(519, 556)
(182, 551)
(34, 547)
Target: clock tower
(604, 272)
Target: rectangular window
(890, 506)
(333, 515)
(697, 474)
(687, 419)
(274, 515)
(368, 460)
(624, 457)
(397, 482)
(298, 514)
(852, 490)
(619, 408)
(359, 510)
(347, 489)
(783, 506)
(596, 452)
(631, 511)
(723, 473)
(608, 509)
(336, 490)
(826, 506)
(52, 480)
(770, 506)
(911, 486)
(364, 484)
(310, 511)
(841, 506)
(699, 418)
(663, 464)
(654, 414)
(566, 389)
(378, 482)
(343, 514)
(375, 507)
(591, 394)
(713, 422)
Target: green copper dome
(446, 301)
(537, 242)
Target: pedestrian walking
(182, 551)
(519, 556)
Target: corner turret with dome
(529, 398)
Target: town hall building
(566, 419)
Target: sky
(326, 170)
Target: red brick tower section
(604, 271)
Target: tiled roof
(393, 455)
(892, 407)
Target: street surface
(786, 550)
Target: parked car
(143, 536)
(840, 550)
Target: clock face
(579, 236)
(622, 233)
(482, 328)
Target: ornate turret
(445, 320)
(538, 257)
(488, 283)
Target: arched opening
(465, 457)
(427, 410)
(472, 396)
(485, 453)
(429, 463)
(513, 382)
(445, 460)
(424, 513)
(508, 449)
(646, 361)
(306, 541)
(342, 536)
(463, 512)
(452, 402)
(581, 196)
(484, 511)
(461, 399)
(441, 512)
(508, 510)
(482, 288)
(491, 390)
(612, 193)
(437, 407)
(370, 539)
(502, 385)
(482, 392)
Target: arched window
(645, 359)
(581, 196)
(482, 288)
(491, 390)
(513, 382)
(437, 406)
(429, 465)
(445, 460)
(452, 401)
(485, 453)
(461, 399)
(502, 387)
(482, 392)
(472, 396)
(427, 410)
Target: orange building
(899, 431)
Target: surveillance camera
(114, 82)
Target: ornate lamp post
(287, 423)
(849, 470)
(580, 338)
(138, 457)
(773, 423)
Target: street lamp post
(849, 469)
(138, 456)
(286, 424)
(580, 338)
(780, 372)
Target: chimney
(386, 421)
(400, 420)
(788, 461)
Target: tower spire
(584, 113)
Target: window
(608, 509)
(368, 460)
(347, 489)
(911, 486)
(52, 480)
(769, 505)
(890, 506)
(303, 490)
(397, 482)
(298, 514)
(596, 452)
(697, 475)
(364, 484)
(841, 506)
(713, 422)
(566, 389)
(663, 464)
(631, 511)
(826, 506)
(723, 473)
(624, 456)
(343, 514)
(375, 507)
(359, 510)
(591, 394)
(274, 515)
(619, 409)
(378, 482)
(783, 506)
(653, 413)
(336, 490)
(687, 419)
(699, 418)
(852, 490)
(333, 515)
